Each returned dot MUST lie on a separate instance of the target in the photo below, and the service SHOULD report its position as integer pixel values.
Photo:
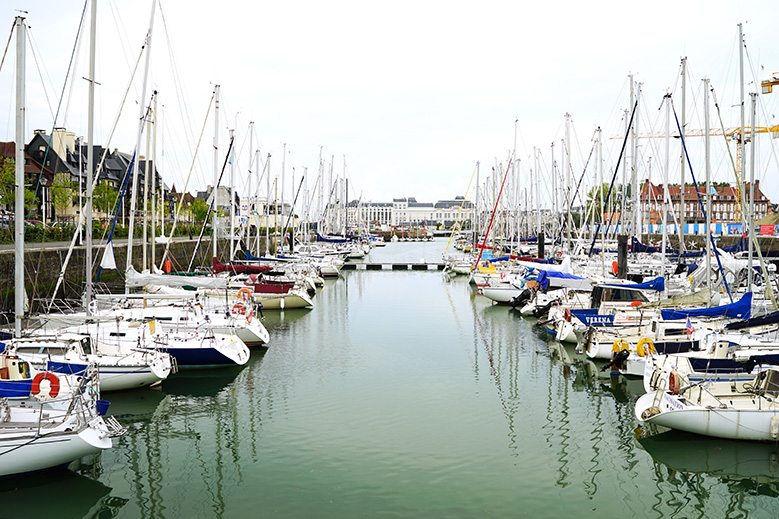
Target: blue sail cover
(763, 320)
(741, 309)
(657, 284)
(251, 257)
(545, 275)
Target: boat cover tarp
(637, 246)
(545, 277)
(699, 298)
(763, 320)
(238, 268)
(333, 239)
(740, 246)
(741, 309)
(657, 284)
(135, 279)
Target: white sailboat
(35, 437)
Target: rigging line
(457, 222)
(213, 204)
(95, 179)
(8, 44)
(492, 218)
(700, 201)
(189, 175)
(33, 48)
(614, 177)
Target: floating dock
(393, 266)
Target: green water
(401, 394)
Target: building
(407, 212)
(725, 202)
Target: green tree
(64, 191)
(199, 209)
(104, 197)
(8, 185)
(598, 193)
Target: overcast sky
(411, 93)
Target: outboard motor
(521, 299)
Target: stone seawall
(43, 264)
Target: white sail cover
(564, 266)
(135, 279)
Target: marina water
(401, 394)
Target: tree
(64, 191)
(8, 185)
(104, 197)
(199, 209)
(598, 193)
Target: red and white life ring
(54, 384)
(238, 309)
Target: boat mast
(133, 198)
(706, 136)
(602, 208)
(568, 192)
(634, 167)
(232, 197)
(153, 191)
(146, 191)
(475, 223)
(683, 161)
(751, 216)
(245, 217)
(21, 38)
(216, 164)
(665, 180)
(90, 154)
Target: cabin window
(117, 334)
(86, 345)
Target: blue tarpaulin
(657, 284)
(741, 309)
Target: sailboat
(35, 435)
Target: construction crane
(767, 85)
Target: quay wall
(43, 264)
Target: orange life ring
(673, 383)
(167, 266)
(238, 309)
(614, 268)
(567, 314)
(244, 294)
(54, 382)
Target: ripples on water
(402, 394)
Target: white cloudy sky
(412, 93)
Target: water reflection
(57, 493)
(201, 382)
(751, 467)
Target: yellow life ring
(619, 345)
(646, 347)
(244, 294)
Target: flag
(690, 328)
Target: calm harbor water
(401, 394)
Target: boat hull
(730, 423)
